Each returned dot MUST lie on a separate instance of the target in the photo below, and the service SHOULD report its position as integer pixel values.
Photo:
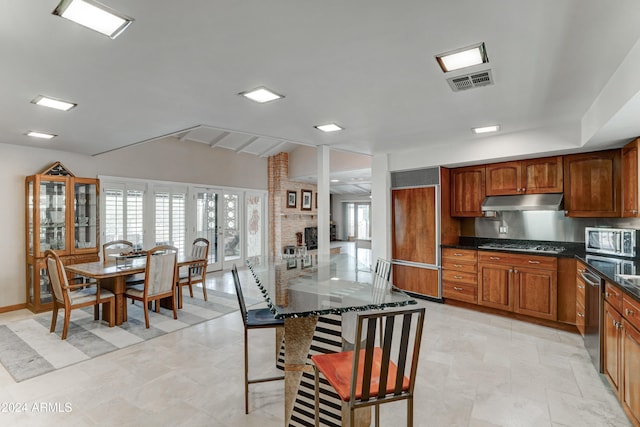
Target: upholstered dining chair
(259, 318)
(117, 247)
(159, 281)
(371, 375)
(197, 272)
(70, 296)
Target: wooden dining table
(114, 276)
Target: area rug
(28, 350)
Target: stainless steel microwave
(611, 241)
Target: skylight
(93, 15)
(462, 58)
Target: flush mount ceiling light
(261, 95)
(486, 129)
(41, 135)
(329, 127)
(93, 15)
(57, 104)
(462, 58)
(335, 180)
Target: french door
(219, 217)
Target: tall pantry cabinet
(62, 215)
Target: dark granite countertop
(603, 267)
(571, 248)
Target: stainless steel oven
(611, 241)
(611, 266)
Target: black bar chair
(260, 318)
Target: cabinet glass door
(53, 227)
(207, 216)
(85, 214)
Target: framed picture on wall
(292, 199)
(305, 204)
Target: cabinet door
(542, 175)
(630, 393)
(467, 191)
(504, 178)
(612, 325)
(630, 179)
(536, 293)
(592, 184)
(418, 280)
(414, 232)
(494, 286)
(84, 205)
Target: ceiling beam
(218, 139)
(273, 148)
(246, 144)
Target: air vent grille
(468, 81)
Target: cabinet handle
(495, 258)
(580, 287)
(607, 294)
(515, 270)
(457, 288)
(457, 277)
(580, 314)
(580, 270)
(534, 262)
(457, 254)
(628, 312)
(524, 189)
(634, 211)
(618, 325)
(457, 265)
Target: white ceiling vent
(468, 81)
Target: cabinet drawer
(460, 291)
(460, 277)
(465, 255)
(631, 311)
(580, 290)
(457, 265)
(613, 295)
(580, 318)
(580, 268)
(503, 258)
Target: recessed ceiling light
(329, 127)
(45, 101)
(462, 58)
(41, 135)
(486, 129)
(93, 15)
(261, 95)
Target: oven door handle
(591, 279)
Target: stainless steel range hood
(524, 202)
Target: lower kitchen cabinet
(630, 392)
(418, 280)
(524, 284)
(459, 274)
(612, 330)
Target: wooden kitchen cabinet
(630, 177)
(581, 287)
(533, 176)
(630, 388)
(612, 341)
(467, 191)
(592, 184)
(525, 284)
(459, 274)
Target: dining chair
(197, 272)
(118, 247)
(70, 296)
(382, 273)
(260, 318)
(159, 281)
(371, 375)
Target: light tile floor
(476, 370)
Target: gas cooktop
(524, 247)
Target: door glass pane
(207, 221)
(113, 215)
(363, 226)
(254, 226)
(52, 216)
(231, 227)
(134, 224)
(86, 211)
(30, 217)
(350, 220)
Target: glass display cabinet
(61, 214)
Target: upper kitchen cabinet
(630, 179)
(592, 184)
(467, 191)
(533, 176)
(61, 215)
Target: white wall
(167, 159)
(303, 163)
